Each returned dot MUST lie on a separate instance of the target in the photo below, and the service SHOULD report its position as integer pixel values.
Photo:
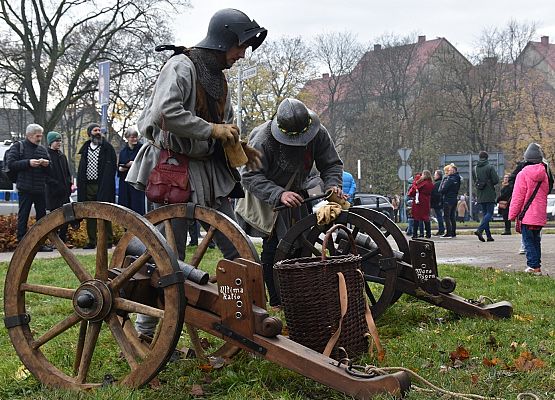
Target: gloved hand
(255, 157)
(228, 134)
(328, 213)
(338, 198)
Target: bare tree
(51, 50)
(283, 67)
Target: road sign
(404, 153)
(248, 73)
(405, 172)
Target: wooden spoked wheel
(69, 333)
(305, 239)
(214, 222)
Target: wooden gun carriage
(143, 275)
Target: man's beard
(96, 140)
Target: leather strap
(343, 301)
(373, 331)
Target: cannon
(63, 341)
(392, 266)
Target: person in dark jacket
(128, 196)
(32, 169)
(437, 202)
(485, 178)
(449, 188)
(503, 201)
(58, 187)
(96, 177)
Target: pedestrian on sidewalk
(529, 202)
(503, 201)
(485, 178)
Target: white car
(551, 207)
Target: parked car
(551, 207)
(375, 202)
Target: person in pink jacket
(535, 217)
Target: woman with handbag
(503, 201)
(528, 205)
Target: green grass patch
(416, 335)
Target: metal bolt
(238, 315)
(422, 254)
(238, 281)
(239, 303)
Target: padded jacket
(525, 183)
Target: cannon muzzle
(136, 248)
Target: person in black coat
(96, 177)
(32, 166)
(128, 196)
(449, 188)
(437, 202)
(58, 187)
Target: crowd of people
(520, 197)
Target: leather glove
(228, 134)
(254, 162)
(338, 199)
(328, 213)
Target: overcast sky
(459, 21)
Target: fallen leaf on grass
(205, 343)
(155, 383)
(196, 390)
(514, 345)
(491, 363)
(474, 378)
(523, 318)
(460, 354)
(444, 368)
(527, 362)
(22, 373)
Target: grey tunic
(268, 183)
(172, 107)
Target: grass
(416, 335)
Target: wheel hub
(92, 301)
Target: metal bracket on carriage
(242, 299)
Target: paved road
(464, 249)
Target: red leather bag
(168, 182)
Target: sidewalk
(464, 249)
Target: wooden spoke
(170, 237)
(101, 251)
(88, 350)
(80, 344)
(313, 250)
(131, 333)
(80, 272)
(128, 272)
(202, 247)
(134, 307)
(124, 344)
(57, 329)
(47, 290)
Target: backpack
(7, 175)
(480, 185)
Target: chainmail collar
(209, 65)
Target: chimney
(421, 39)
(325, 76)
(377, 47)
(545, 40)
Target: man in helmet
(290, 144)
(191, 102)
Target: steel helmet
(230, 27)
(294, 124)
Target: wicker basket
(310, 297)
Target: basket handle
(328, 236)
